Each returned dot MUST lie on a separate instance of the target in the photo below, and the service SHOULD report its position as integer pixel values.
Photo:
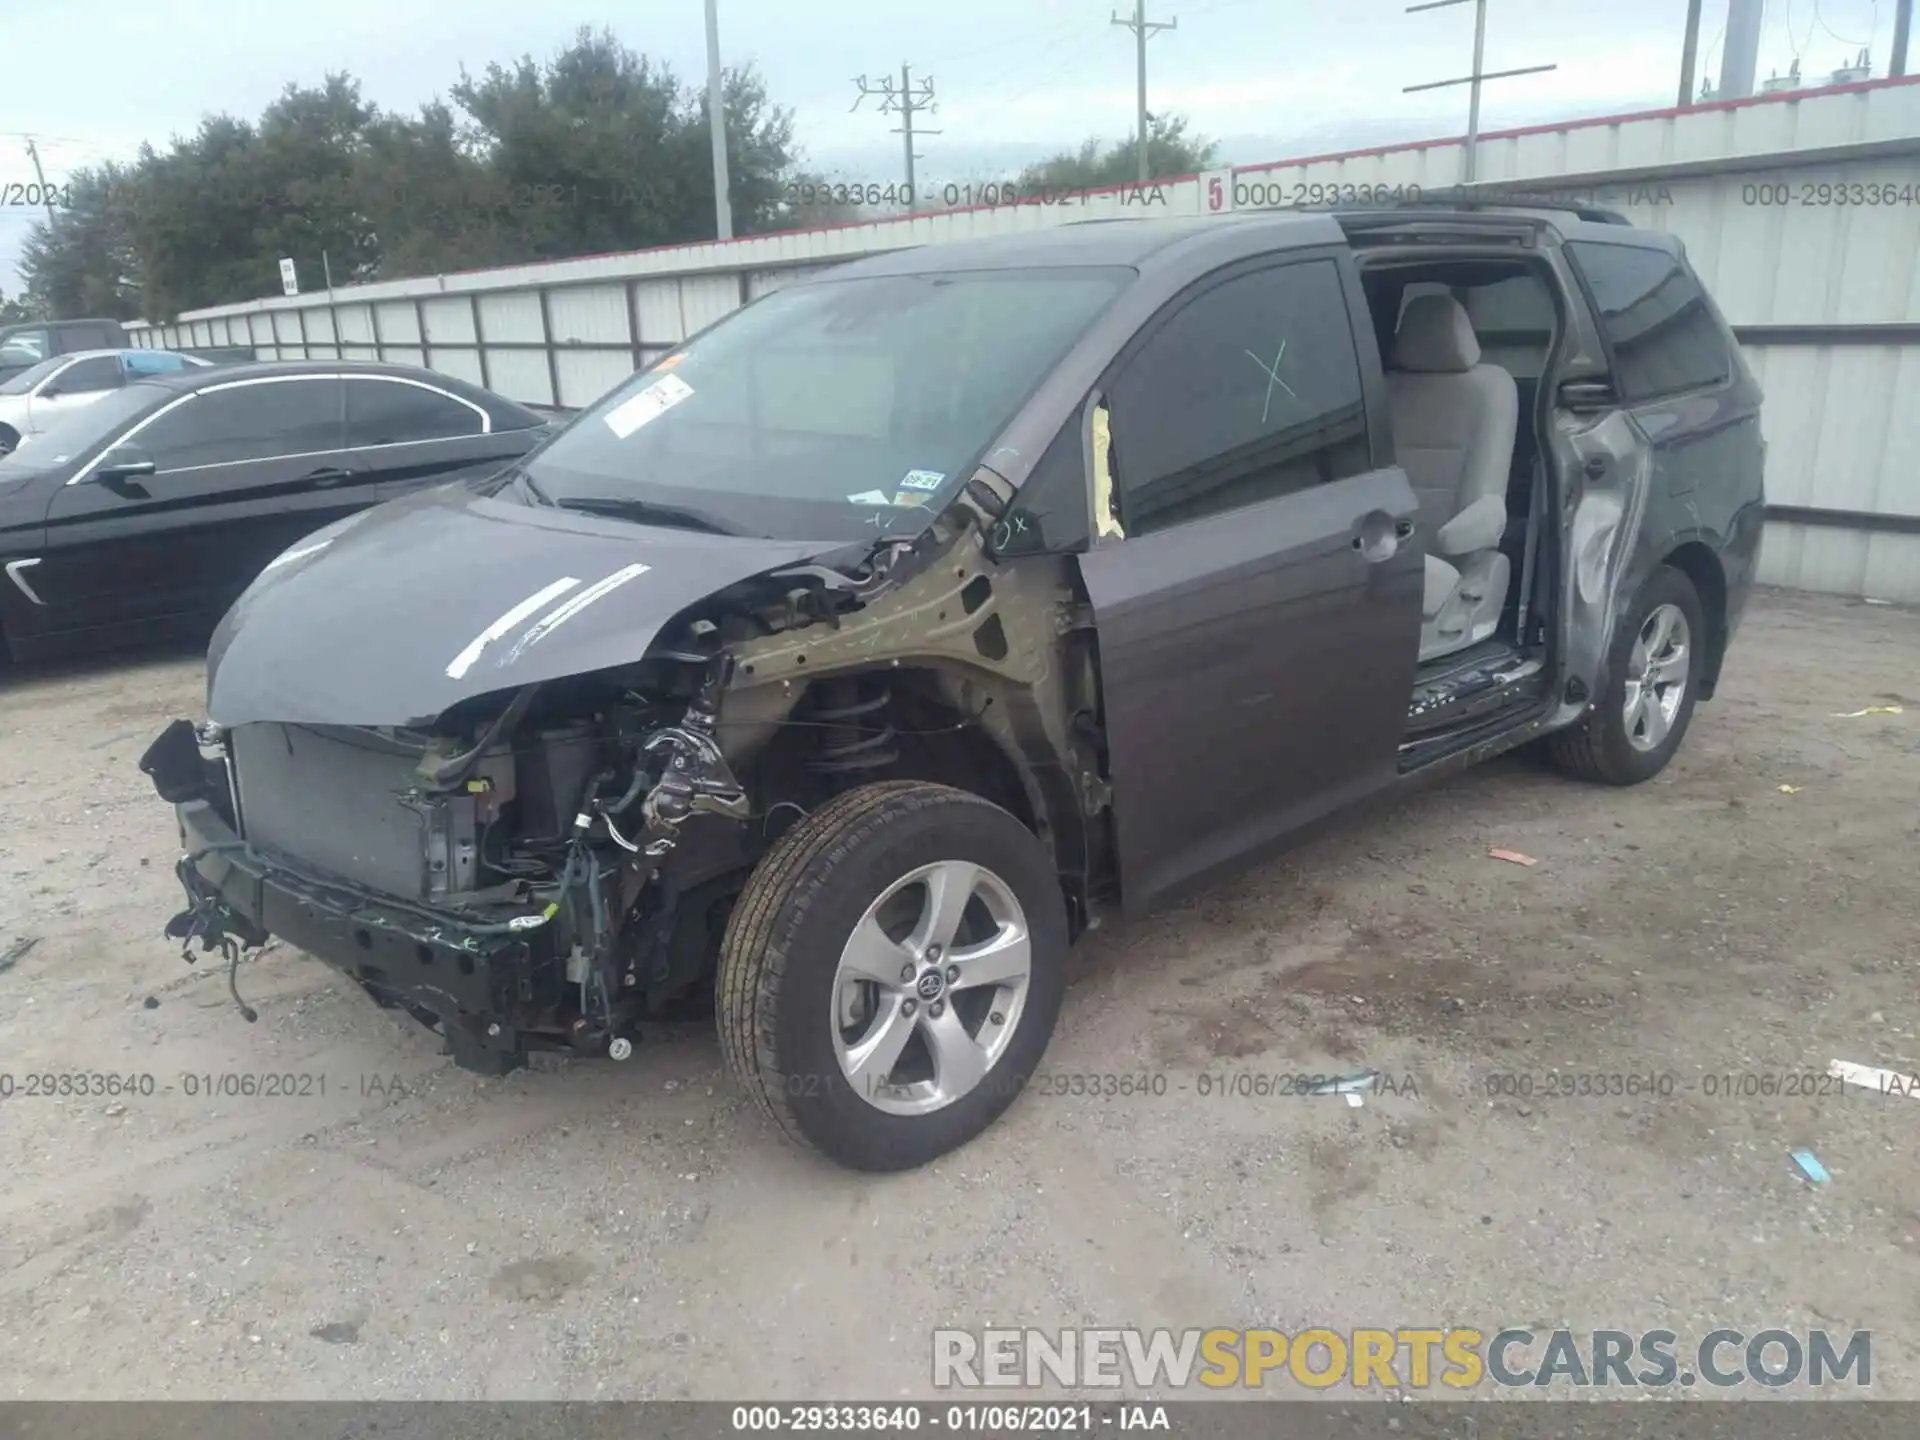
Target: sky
(89, 80)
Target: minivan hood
(393, 615)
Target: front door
(1260, 618)
(241, 472)
(71, 387)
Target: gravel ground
(598, 1230)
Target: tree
(84, 263)
(16, 311)
(598, 149)
(602, 149)
(1170, 151)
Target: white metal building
(1801, 211)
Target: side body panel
(1677, 474)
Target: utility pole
(1740, 56)
(717, 120)
(46, 195)
(908, 102)
(1141, 32)
(1902, 29)
(1469, 159)
(1689, 54)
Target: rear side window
(1249, 391)
(1663, 335)
(247, 422)
(89, 376)
(387, 412)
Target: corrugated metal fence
(1802, 213)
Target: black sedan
(143, 516)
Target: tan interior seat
(1454, 423)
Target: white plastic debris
(1870, 1077)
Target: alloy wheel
(930, 986)
(1657, 671)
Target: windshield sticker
(869, 497)
(667, 362)
(921, 480)
(649, 405)
(910, 497)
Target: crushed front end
(484, 876)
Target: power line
(1071, 22)
(907, 102)
(1819, 20)
(1143, 31)
(1470, 155)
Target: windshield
(829, 410)
(23, 382)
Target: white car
(37, 399)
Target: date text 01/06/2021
(194, 1085)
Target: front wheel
(1653, 669)
(891, 975)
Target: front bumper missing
(471, 983)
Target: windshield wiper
(647, 512)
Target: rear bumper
(483, 987)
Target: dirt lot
(601, 1230)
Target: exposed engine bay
(550, 866)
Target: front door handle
(327, 475)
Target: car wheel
(891, 974)
(1652, 673)
(9, 439)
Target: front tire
(892, 972)
(1653, 670)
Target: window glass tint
(102, 372)
(385, 412)
(1664, 335)
(1052, 512)
(247, 422)
(1514, 321)
(1249, 391)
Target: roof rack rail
(1486, 198)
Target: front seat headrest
(1435, 336)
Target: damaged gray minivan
(841, 669)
